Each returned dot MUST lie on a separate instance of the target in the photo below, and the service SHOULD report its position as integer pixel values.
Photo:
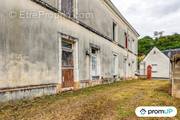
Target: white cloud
(148, 16)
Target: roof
(114, 8)
(171, 52)
(157, 50)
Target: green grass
(116, 101)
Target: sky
(147, 16)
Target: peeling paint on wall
(30, 53)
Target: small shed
(159, 62)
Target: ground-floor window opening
(115, 65)
(95, 63)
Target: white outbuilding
(160, 63)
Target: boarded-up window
(67, 7)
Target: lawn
(115, 101)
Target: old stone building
(47, 46)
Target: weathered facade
(174, 55)
(175, 80)
(47, 46)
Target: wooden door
(149, 72)
(68, 78)
(67, 65)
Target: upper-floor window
(133, 46)
(66, 7)
(126, 40)
(114, 31)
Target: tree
(163, 43)
(145, 45)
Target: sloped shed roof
(170, 53)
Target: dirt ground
(116, 101)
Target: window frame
(115, 32)
(154, 68)
(68, 50)
(126, 40)
(115, 64)
(95, 74)
(74, 7)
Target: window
(154, 68)
(66, 45)
(67, 54)
(133, 45)
(52, 3)
(94, 63)
(115, 65)
(126, 40)
(67, 7)
(154, 52)
(114, 31)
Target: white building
(159, 62)
(49, 46)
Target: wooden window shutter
(126, 39)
